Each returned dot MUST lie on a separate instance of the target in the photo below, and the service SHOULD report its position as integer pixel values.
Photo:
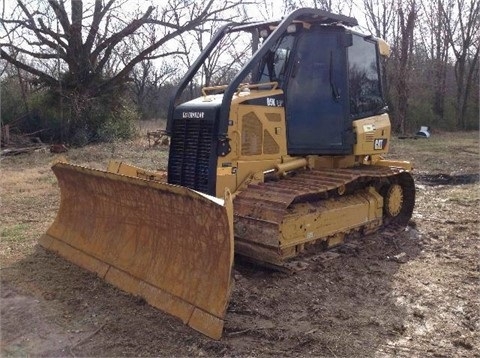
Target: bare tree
(88, 43)
(147, 79)
(380, 17)
(435, 43)
(463, 35)
(228, 56)
(403, 50)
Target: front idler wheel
(398, 200)
(393, 200)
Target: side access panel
(165, 243)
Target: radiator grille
(190, 154)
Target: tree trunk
(406, 41)
(459, 77)
(440, 58)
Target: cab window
(364, 78)
(274, 65)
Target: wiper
(335, 93)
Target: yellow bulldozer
(286, 155)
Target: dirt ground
(414, 294)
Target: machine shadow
(342, 302)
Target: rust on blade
(168, 244)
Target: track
(262, 210)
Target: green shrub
(69, 114)
(101, 119)
(12, 103)
(120, 124)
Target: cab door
(317, 94)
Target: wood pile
(14, 144)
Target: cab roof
(306, 15)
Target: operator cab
(330, 76)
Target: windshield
(274, 64)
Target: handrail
(244, 86)
(212, 88)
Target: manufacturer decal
(379, 143)
(193, 114)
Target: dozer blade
(165, 243)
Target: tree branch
(30, 24)
(98, 15)
(61, 15)
(51, 33)
(43, 76)
(33, 54)
(118, 36)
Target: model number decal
(379, 143)
(273, 102)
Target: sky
(266, 10)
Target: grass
(30, 195)
(464, 194)
(14, 233)
(29, 192)
(447, 152)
